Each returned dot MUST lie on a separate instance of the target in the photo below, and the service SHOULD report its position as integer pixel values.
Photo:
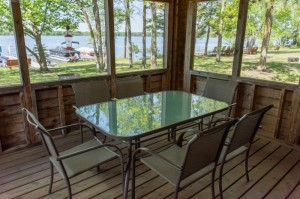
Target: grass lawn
(11, 76)
(279, 69)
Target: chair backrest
(220, 90)
(205, 148)
(129, 86)
(45, 135)
(91, 92)
(246, 128)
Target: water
(9, 48)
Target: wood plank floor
(274, 173)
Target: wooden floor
(274, 173)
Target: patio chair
(76, 160)
(91, 92)
(184, 166)
(213, 52)
(227, 51)
(219, 90)
(87, 93)
(129, 87)
(240, 140)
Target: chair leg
(98, 168)
(51, 178)
(176, 191)
(213, 183)
(220, 181)
(133, 178)
(69, 188)
(169, 133)
(104, 139)
(81, 134)
(246, 164)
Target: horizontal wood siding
(250, 96)
(53, 106)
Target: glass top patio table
(135, 117)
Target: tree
(128, 30)
(153, 36)
(91, 13)
(40, 16)
(144, 62)
(220, 31)
(266, 37)
(206, 12)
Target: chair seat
(83, 162)
(233, 153)
(174, 154)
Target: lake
(9, 48)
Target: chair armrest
(69, 126)
(90, 149)
(72, 125)
(149, 151)
(181, 139)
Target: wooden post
(240, 37)
(110, 43)
(23, 65)
(294, 134)
(189, 45)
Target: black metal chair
(74, 161)
(240, 140)
(184, 166)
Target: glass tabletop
(135, 117)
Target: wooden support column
(24, 70)
(294, 134)
(189, 45)
(110, 42)
(240, 37)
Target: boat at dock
(64, 53)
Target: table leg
(127, 170)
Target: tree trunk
(207, 39)
(128, 24)
(144, 62)
(87, 20)
(153, 37)
(220, 34)
(125, 41)
(41, 53)
(99, 36)
(266, 37)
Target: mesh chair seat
(86, 161)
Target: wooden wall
(279, 122)
(53, 104)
